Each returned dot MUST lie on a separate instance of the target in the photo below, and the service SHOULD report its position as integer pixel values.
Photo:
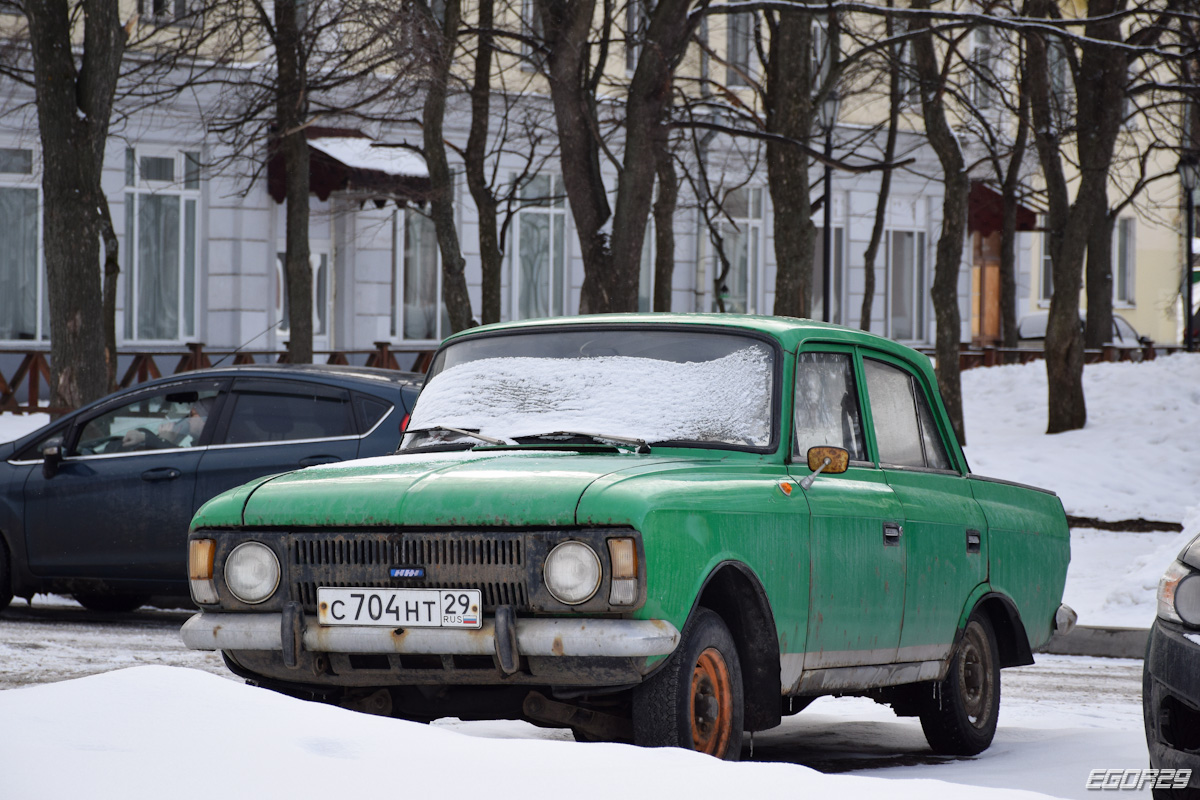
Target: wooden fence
(27, 390)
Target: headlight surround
(572, 573)
(1179, 595)
(252, 572)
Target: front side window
(905, 431)
(906, 284)
(826, 410)
(24, 305)
(538, 255)
(678, 387)
(162, 198)
(741, 245)
(169, 419)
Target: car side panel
(1030, 548)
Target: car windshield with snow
(664, 529)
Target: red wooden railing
(28, 388)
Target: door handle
(159, 474)
(312, 461)
(891, 534)
(973, 540)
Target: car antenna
(238, 349)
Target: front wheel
(960, 718)
(695, 700)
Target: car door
(856, 563)
(119, 503)
(945, 534)
(275, 425)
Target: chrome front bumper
(534, 637)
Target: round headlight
(252, 572)
(1187, 600)
(572, 573)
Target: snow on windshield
(726, 400)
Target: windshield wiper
(639, 445)
(460, 432)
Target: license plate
(400, 608)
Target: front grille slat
(490, 562)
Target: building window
(1126, 259)
(741, 243)
(322, 303)
(1047, 283)
(740, 33)
(906, 285)
(636, 20)
(821, 61)
(836, 268)
(162, 198)
(418, 312)
(538, 255)
(534, 58)
(24, 307)
(646, 271)
(983, 91)
(905, 73)
(165, 12)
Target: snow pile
(727, 399)
(153, 732)
(1137, 458)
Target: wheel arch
(735, 594)
(1011, 639)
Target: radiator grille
(494, 563)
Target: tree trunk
(1098, 330)
(567, 24)
(476, 163)
(112, 270)
(74, 106)
(292, 112)
(790, 112)
(948, 261)
(1008, 226)
(664, 227)
(441, 205)
(895, 100)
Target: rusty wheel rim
(711, 703)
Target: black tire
(112, 603)
(695, 700)
(6, 594)
(960, 718)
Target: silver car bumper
(534, 637)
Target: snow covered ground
(155, 731)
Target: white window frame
(531, 26)
(32, 181)
(555, 209)
(135, 188)
(1124, 262)
(317, 249)
(983, 63)
(400, 267)
(754, 230)
(1046, 274)
(735, 64)
(918, 300)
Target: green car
(664, 529)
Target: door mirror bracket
(52, 457)
(830, 460)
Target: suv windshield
(685, 387)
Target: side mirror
(52, 457)
(830, 460)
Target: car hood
(488, 488)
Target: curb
(1085, 640)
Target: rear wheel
(114, 603)
(960, 718)
(695, 700)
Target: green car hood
(488, 488)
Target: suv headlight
(572, 573)
(252, 572)
(1179, 595)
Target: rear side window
(904, 425)
(370, 411)
(826, 405)
(280, 416)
